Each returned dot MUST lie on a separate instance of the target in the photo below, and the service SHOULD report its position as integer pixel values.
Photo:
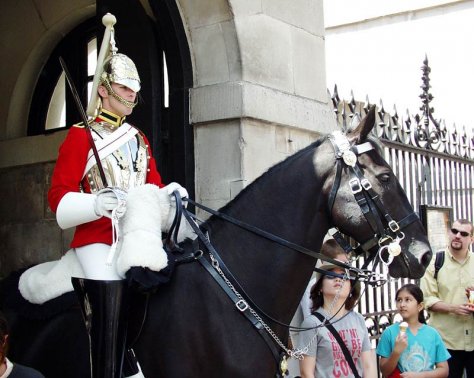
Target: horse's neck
(272, 274)
(285, 200)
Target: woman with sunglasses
(445, 297)
(333, 298)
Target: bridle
(387, 234)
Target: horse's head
(367, 202)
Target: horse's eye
(384, 177)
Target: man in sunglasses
(445, 298)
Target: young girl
(417, 352)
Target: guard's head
(120, 69)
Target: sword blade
(85, 120)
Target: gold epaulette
(80, 125)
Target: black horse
(191, 328)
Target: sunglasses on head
(455, 231)
(330, 275)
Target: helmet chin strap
(120, 99)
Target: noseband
(387, 231)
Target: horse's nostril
(426, 258)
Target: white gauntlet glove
(168, 204)
(170, 188)
(75, 209)
(110, 201)
(104, 203)
(78, 208)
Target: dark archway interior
(147, 41)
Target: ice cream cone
(403, 327)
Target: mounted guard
(104, 173)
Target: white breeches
(93, 259)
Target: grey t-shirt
(330, 360)
(20, 371)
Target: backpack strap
(439, 261)
(341, 343)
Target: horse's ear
(359, 134)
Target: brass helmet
(120, 69)
(112, 67)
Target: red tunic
(67, 177)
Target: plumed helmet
(120, 69)
(112, 67)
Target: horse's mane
(277, 167)
(372, 138)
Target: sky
(382, 56)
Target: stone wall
(28, 230)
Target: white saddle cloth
(51, 279)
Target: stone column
(260, 88)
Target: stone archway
(41, 46)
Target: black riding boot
(105, 310)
